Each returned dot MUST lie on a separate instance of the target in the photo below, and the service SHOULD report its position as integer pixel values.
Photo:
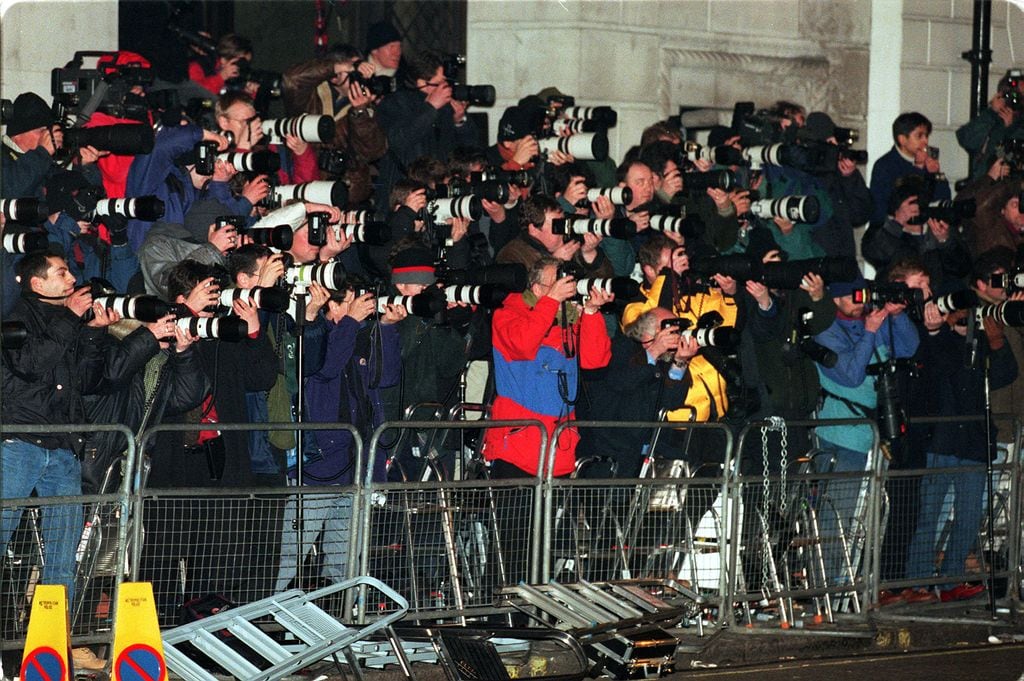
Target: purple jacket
(343, 390)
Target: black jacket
(181, 386)
(44, 380)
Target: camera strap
(856, 408)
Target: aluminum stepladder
(315, 635)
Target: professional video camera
(29, 211)
(307, 127)
(758, 126)
(79, 91)
(617, 228)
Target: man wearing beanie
(384, 45)
(30, 141)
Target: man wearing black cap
(31, 139)
(851, 200)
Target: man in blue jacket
(909, 156)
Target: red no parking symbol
(140, 662)
(43, 664)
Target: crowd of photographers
(171, 254)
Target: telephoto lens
(230, 329)
(424, 305)
(24, 242)
(616, 228)
(587, 146)
(620, 196)
(624, 288)
(724, 337)
(1007, 280)
(460, 207)
(146, 309)
(127, 139)
(148, 208)
(324, 192)
(772, 155)
(479, 95)
(793, 208)
(279, 237)
(370, 233)
(330, 275)
(689, 226)
(698, 182)
(269, 299)
(575, 126)
(605, 115)
(31, 211)
(958, 300)
(262, 162)
(723, 155)
(307, 127)
(1010, 312)
(508, 276)
(356, 217)
(490, 297)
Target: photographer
(420, 120)
(43, 383)
(326, 86)
(982, 136)
(231, 50)
(908, 233)
(999, 221)
(536, 240)
(858, 337)
(910, 155)
(169, 173)
(362, 357)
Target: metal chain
(783, 463)
(763, 513)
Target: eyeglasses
(247, 121)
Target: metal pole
(980, 55)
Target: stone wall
(36, 37)
(646, 57)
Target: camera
(424, 305)
(440, 209)
(617, 228)
(326, 192)
(279, 237)
(1012, 95)
(756, 127)
(330, 275)
(777, 275)
(371, 233)
(724, 337)
(779, 154)
(958, 300)
(602, 115)
(147, 309)
(698, 182)
(332, 161)
(624, 288)
(24, 242)
(587, 146)
(801, 344)
(793, 208)
(1012, 281)
(307, 127)
(148, 208)
(488, 296)
(262, 162)
(1010, 312)
(106, 87)
(690, 226)
(229, 329)
(269, 82)
(519, 178)
(377, 85)
(480, 95)
(620, 196)
(491, 190)
(508, 276)
(723, 155)
(891, 415)
(13, 334)
(946, 210)
(31, 211)
(205, 158)
(270, 299)
(1011, 151)
(126, 139)
(318, 224)
(897, 293)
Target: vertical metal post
(980, 55)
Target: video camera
(107, 87)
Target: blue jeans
(51, 473)
(968, 492)
(843, 502)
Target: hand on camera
(89, 154)
(249, 313)
(79, 301)
(494, 209)
(163, 328)
(525, 150)
(566, 251)
(726, 284)
(597, 299)
(393, 314)
(296, 145)
(814, 285)
(940, 229)
(183, 339)
(687, 350)
(933, 319)
(272, 271)
(665, 340)
(318, 296)
(224, 239)
(103, 317)
(563, 289)
(460, 227)
(603, 208)
(908, 209)
(589, 248)
(205, 294)
(759, 292)
(642, 220)
(223, 171)
(576, 191)
(359, 96)
(221, 140)
(256, 189)
(873, 320)
(362, 307)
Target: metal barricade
(245, 543)
(669, 524)
(447, 544)
(97, 534)
(808, 528)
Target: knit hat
(201, 215)
(838, 289)
(760, 241)
(381, 33)
(818, 128)
(30, 112)
(516, 123)
(413, 266)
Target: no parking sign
(140, 662)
